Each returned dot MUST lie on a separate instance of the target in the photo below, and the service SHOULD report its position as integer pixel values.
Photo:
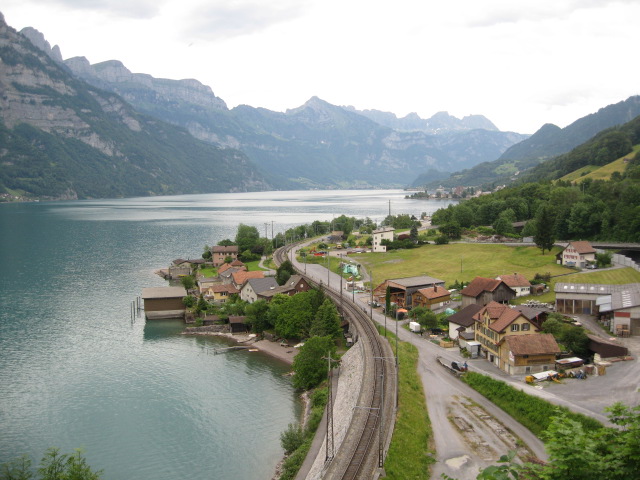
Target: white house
(518, 283)
(577, 254)
(385, 233)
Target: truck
(415, 327)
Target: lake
(143, 401)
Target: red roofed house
(241, 277)
(431, 297)
(518, 283)
(484, 290)
(495, 324)
(577, 254)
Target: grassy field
(461, 261)
(409, 454)
(604, 172)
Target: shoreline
(273, 349)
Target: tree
(284, 272)
(292, 438)
(188, 282)
(257, 316)
(310, 364)
(575, 339)
(206, 254)
(53, 466)
(246, 237)
(413, 233)
(544, 228)
(326, 321)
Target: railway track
(362, 450)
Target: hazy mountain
(545, 144)
(62, 138)
(317, 145)
(439, 123)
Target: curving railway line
(363, 449)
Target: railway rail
(363, 448)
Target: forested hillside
(587, 209)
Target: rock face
(63, 138)
(127, 84)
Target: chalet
(164, 302)
(295, 284)
(577, 254)
(494, 323)
(524, 354)
(402, 289)
(385, 233)
(518, 283)
(238, 279)
(484, 290)
(219, 253)
(432, 298)
(254, 286)
(220, 292)
(463, 321)
(237, 324)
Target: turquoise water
(143, 401)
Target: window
(525, 327)
(515, 327)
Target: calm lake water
(143, 401)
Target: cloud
(232, 19)
(137, 9)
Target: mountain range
(71, 129)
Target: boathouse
(163, 302)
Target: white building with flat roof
(385, 233)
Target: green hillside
(594, 172)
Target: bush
(292, 438)
(442, 240)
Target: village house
(254, 286)
(385, 233)
(433, 298)
(526, 354)
(219, 253)
(495, 323)
(204, 283)
(577, 254)
(220, 293)
(463, 321)
(238, 279)
(226, 274)
(483, 290)
(402, 289)
(294, 285)
(518, 283)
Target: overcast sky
(520, 63)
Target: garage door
(635, 326)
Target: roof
(224, 249)
(515, 280)
(239, 278)
(620, 300)
(479, 285)
(259, 285)
(534, 344)
(219, 288)
(582, 246)
(501, 315)
(207, 280)
(434, 292)
(237, 319)
(384, 230)
(594, 288)
(286, 288)
(237, 263)
(464, 317)
(163, 292)
(415, 281)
